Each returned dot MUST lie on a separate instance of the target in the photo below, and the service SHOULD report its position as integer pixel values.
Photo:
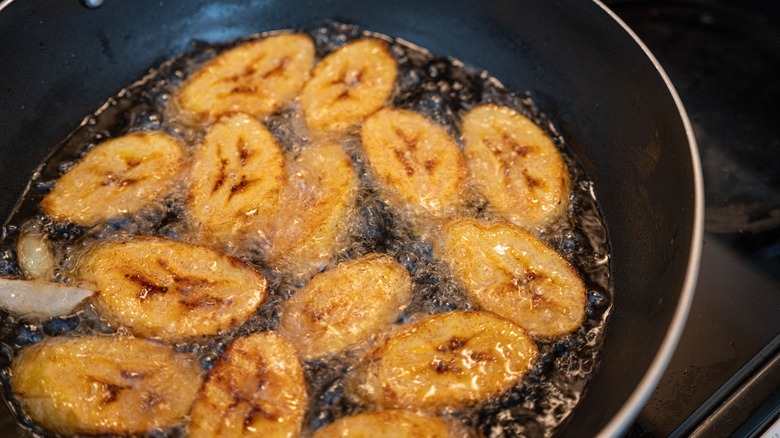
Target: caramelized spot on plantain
(112, 179)
(151, 401)
(401, 156)
(109, 392)
(240, 186)
(455, 344)
(243, 151)
(278, 69)
(480, 356)
(222, 175)
(532, 182)
(442, 367)
(148, 287)
(430, 165)
(205, 301)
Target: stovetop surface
(724, 60)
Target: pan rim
(5, 3)
(621, 421)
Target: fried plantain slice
(115, 179)
(104, 385)
(447, 360)
(515, 165)
(346, 306)
(348, 85)
(511, 272)
(235, 179)
(256, 389)
(318, 196)
(390, 424)
(160, 288)
(415, 160)
(257, 78)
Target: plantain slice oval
(257, 77)
(115, 179)
(236, 179)
(317, 199)
(346, 306)
(414, 159)
(348, 85)
(511, 272)
(104, 385)
(446, 360)
(257, 388)
(391, 423)
(515, 165)
(160, 288)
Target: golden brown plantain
(317, 199)
(511, 272)
(390, 424)
(115, 179)
(257, 77)
(445, 360)
(171, 290)
(235, 179)
(346, 306)
(256, 388)
(415, 160)
(348, 85)
(104, 385)
(516, 166)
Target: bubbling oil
(443, 89)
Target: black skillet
(60, 61)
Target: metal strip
(729, 390)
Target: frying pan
(584, 69)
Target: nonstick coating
(59, 61)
